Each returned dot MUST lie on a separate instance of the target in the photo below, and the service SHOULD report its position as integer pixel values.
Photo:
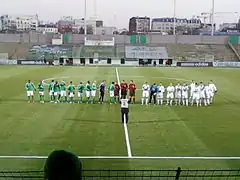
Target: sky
(117, 12)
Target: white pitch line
(125, 126)
(134, 157)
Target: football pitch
(157, 137)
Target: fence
(178, 174)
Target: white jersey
(178, 91)
(185, 91)
(170, 92)
(145, 90)
(212, 88)
(207, 91)
(202, 90)
(196, 92)
(124, 103)
(170, 89)
(192, 86)
(161, 90)
(146, 87)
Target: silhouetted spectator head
(62, 165)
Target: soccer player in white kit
(208, 93)
(178, 94)
(185, 89)
(196, 94)
(213, 89)
(192, 85)
(170, 94)
(145, 93)
(160, 92)
(202, 94)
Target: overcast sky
(118, 12)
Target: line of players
(61, 92)
(182, 94)
(199, 94)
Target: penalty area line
(125, 125)
(133, 157)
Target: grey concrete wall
(154, 39)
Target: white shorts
(50, 93)
(93, 93)
(195, 96)
(41, 93)
(178, 95)
(145, 94)
(80, 94)
(160, 95)
(71, 94)
(202, 95)
(170, 96)
(55, 93)
(88, 93)
(29, 93)
(185, 95)
(63, 93)
(111, 93)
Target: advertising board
(35, 62)
(8, 62)
(195, 64)
(226, 64)
(144, 52)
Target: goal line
(134, 157)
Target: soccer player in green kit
(30, 88)
(93, 91)
(71, 91)
(41, 91)
(111, 93)
(63, 92)
(80, 92)
(50, 90)
(56, 92)
(88, 91)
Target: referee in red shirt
(124, 88)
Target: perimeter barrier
(177, 174)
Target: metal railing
(178, 174)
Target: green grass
(95, 130)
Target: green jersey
(30, 86)
(88, 87)
(56, 87)
(111, 87)
(51, 86)
(40, 87)
(94, 87)
(80, 88)
(71, 88)
(63, 86)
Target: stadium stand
(182, 52)
(191, 52)
(15, 50)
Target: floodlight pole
(212, 18)
(85, 17)
(174, 17)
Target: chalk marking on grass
(135, 157)
(169, 78)
(125, 125)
